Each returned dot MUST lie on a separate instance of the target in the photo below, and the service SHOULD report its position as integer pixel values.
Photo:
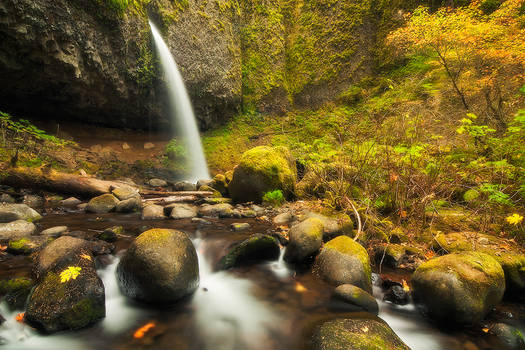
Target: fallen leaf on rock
(20, 317)
(300, 288)
(141, 332)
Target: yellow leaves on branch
(71, 273)
(514, 219)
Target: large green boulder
(306, 239)
(69, 296)
(102, 204)
(263, 169)
(159, 267)
(344, 261)
(458, 288)
(356, 334)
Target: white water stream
(182, 111)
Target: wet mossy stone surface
(306, 239)
(356, 296)
(459, 288)
(62, 251)
(25, 246)
(102, 204)
(263, 169)
(12, 212)
(356, 334)
(59, 303)
(513, 265)
(15, 291)
(252, 250)
(160, 267)
(344, 261)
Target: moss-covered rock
(16, 291)
(452, 219)
(12, 212)
(356, 334)
(111, 233)
(129, 205)
(60, 252)
(263, 169)
(513, 265)
(102, 204)
(252, 250)
(25, 246)
(61, 303)
(215, 193)
(223, 210)
(470, 196)
(356, 296)
(344, 261)
(333, 227)
(123, 193)
(305, 240)
(390, 254)
(220, 184)
(458, 288)
(159, 267)
(214, 200)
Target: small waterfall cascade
(182, 111)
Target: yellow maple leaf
(71, 272)
(514, 219)
(85, 256)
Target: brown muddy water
(264, 306)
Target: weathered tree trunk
(53, 181)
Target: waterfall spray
(182, 111)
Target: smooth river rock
(11, 212)
(16, 229)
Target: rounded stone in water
(160, 266)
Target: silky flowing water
(264, 306)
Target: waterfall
(182, 111)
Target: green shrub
(274, 198)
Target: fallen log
(171, 200)
(200, 194)
(48, 179)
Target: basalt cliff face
(85, 60)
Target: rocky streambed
(193, 271)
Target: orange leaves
(141, 332)
(299, 288)
(85, 256)
(406, 288)
(429, 254)
(20, 317)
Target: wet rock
(508, 335)
(201, 183)
(458, 288)
(356, 334)
(153, 212)
(60, 302)
(12, 212)
(344, 261)
(513, 265)
(333, 227)
(356, 296)
(183, 211)
(25, 246)
(184, 186)
(16, 291)
(129, 205)
(254, 249)
(102, 204)
(283, 218)
(54, 231)
(248, 213)
(397, 295)
(111, 234)
(260, 170)
(159, 267)
(201, 221)
(70, 202)
(391, 255)
(157, 183)
(258, 209)
(123, 193)
(6, 198)
(125, 146)
(223, 210)
(214, 200)
(59, 252)
(240, 226)
(215, 193)
(220, 184)
(149, 145)
(16, 230)
(33, 201)
(305, 240)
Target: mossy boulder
(355, 296)
(220, 184)
(306, 239)
(25, 246)
(16, 230)
(513, 265)
(356, 334)
(458, 288)
(159, 267)
(215, 193)
(263, 169)
(70, 296)
(222, 210)
(252, 250)
(102, 204)
(471, 196)
(344, 261)
(12, 212)
(391, 255)
(333, 227)
(452, 219)
(60, 252)
(15, 291)
(153, 212)
(111, 233)
(129, 205)
(123, 193)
